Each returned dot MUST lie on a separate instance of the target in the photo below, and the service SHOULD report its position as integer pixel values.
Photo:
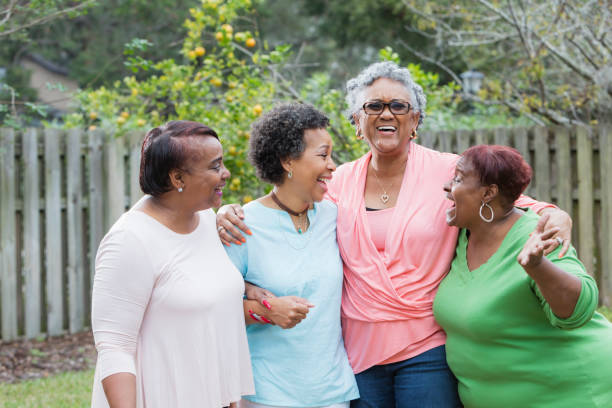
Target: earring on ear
(413, 135)
(180, 189)
(358, 134)
(290, 174)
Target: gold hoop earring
(413, 135)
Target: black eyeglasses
(377, 107)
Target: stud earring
(180, 189)
(290, 174)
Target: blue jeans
(422, 381)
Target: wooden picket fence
(60, 191)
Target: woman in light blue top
(293, 253)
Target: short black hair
(163, 150)
(278, 135)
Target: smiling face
(387, 133)
(467, 194)
(204, 174)
(313, 168)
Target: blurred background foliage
(223, 62)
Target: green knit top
(504, 343)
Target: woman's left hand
(556, 217)
(540, 240)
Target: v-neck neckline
(495, 255)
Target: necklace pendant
(384, 198)
(299, 230)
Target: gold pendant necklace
(384, 197)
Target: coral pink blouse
(388, 295)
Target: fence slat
(8, 245)
(564, 169)
(445, 141)
(134, 161)
(53, 232)
(481, 137)
(501, 136)
(114, 150)
(586, 235)
(521, 143)
(463, 141)
(542, 162)
(96, 196)
(31, 234)
(605, 160)
(74, 219)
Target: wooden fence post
(542, 162)
(53, 232)
(74, 217)
(8, 245)
(31, 233)
(586, 235)
(114, 149)
(605, 160)
(134, 164)
(564, 169)
(96, 196)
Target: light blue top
(307, 365)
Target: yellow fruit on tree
(120, 120)
(134, 91)
(250, 42)
(192, 55)
(232, 84)
(232, 150)
(227, 28)
(216, 82)
(247, 199)
(257, 109)
(92, 127)
(124, 115)
(219, 36)
(93, 115)
(199, 51)
(141, 122)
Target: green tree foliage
(549, 59)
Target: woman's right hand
(288, 311)
(230, 224)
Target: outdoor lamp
(471, 81)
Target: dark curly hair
(166, 148)
(279, 135)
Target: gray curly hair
(387, 69)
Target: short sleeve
(589, 294)
(123, 282)
(536, 206)
(238, 255)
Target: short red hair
(501, 165)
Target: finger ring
(220, 228)
(559, 240)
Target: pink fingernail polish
(266, 304)
(249, 232)
(265, 320)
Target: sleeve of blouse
(123, 283)
(589, 294)
(238, 255)
(528, 202)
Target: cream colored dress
(167, 307)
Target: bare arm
(120, 390)
(560, 289)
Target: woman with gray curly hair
(395, 244)
(293, 253)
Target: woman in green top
(522, 328)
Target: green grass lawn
(68, 390)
